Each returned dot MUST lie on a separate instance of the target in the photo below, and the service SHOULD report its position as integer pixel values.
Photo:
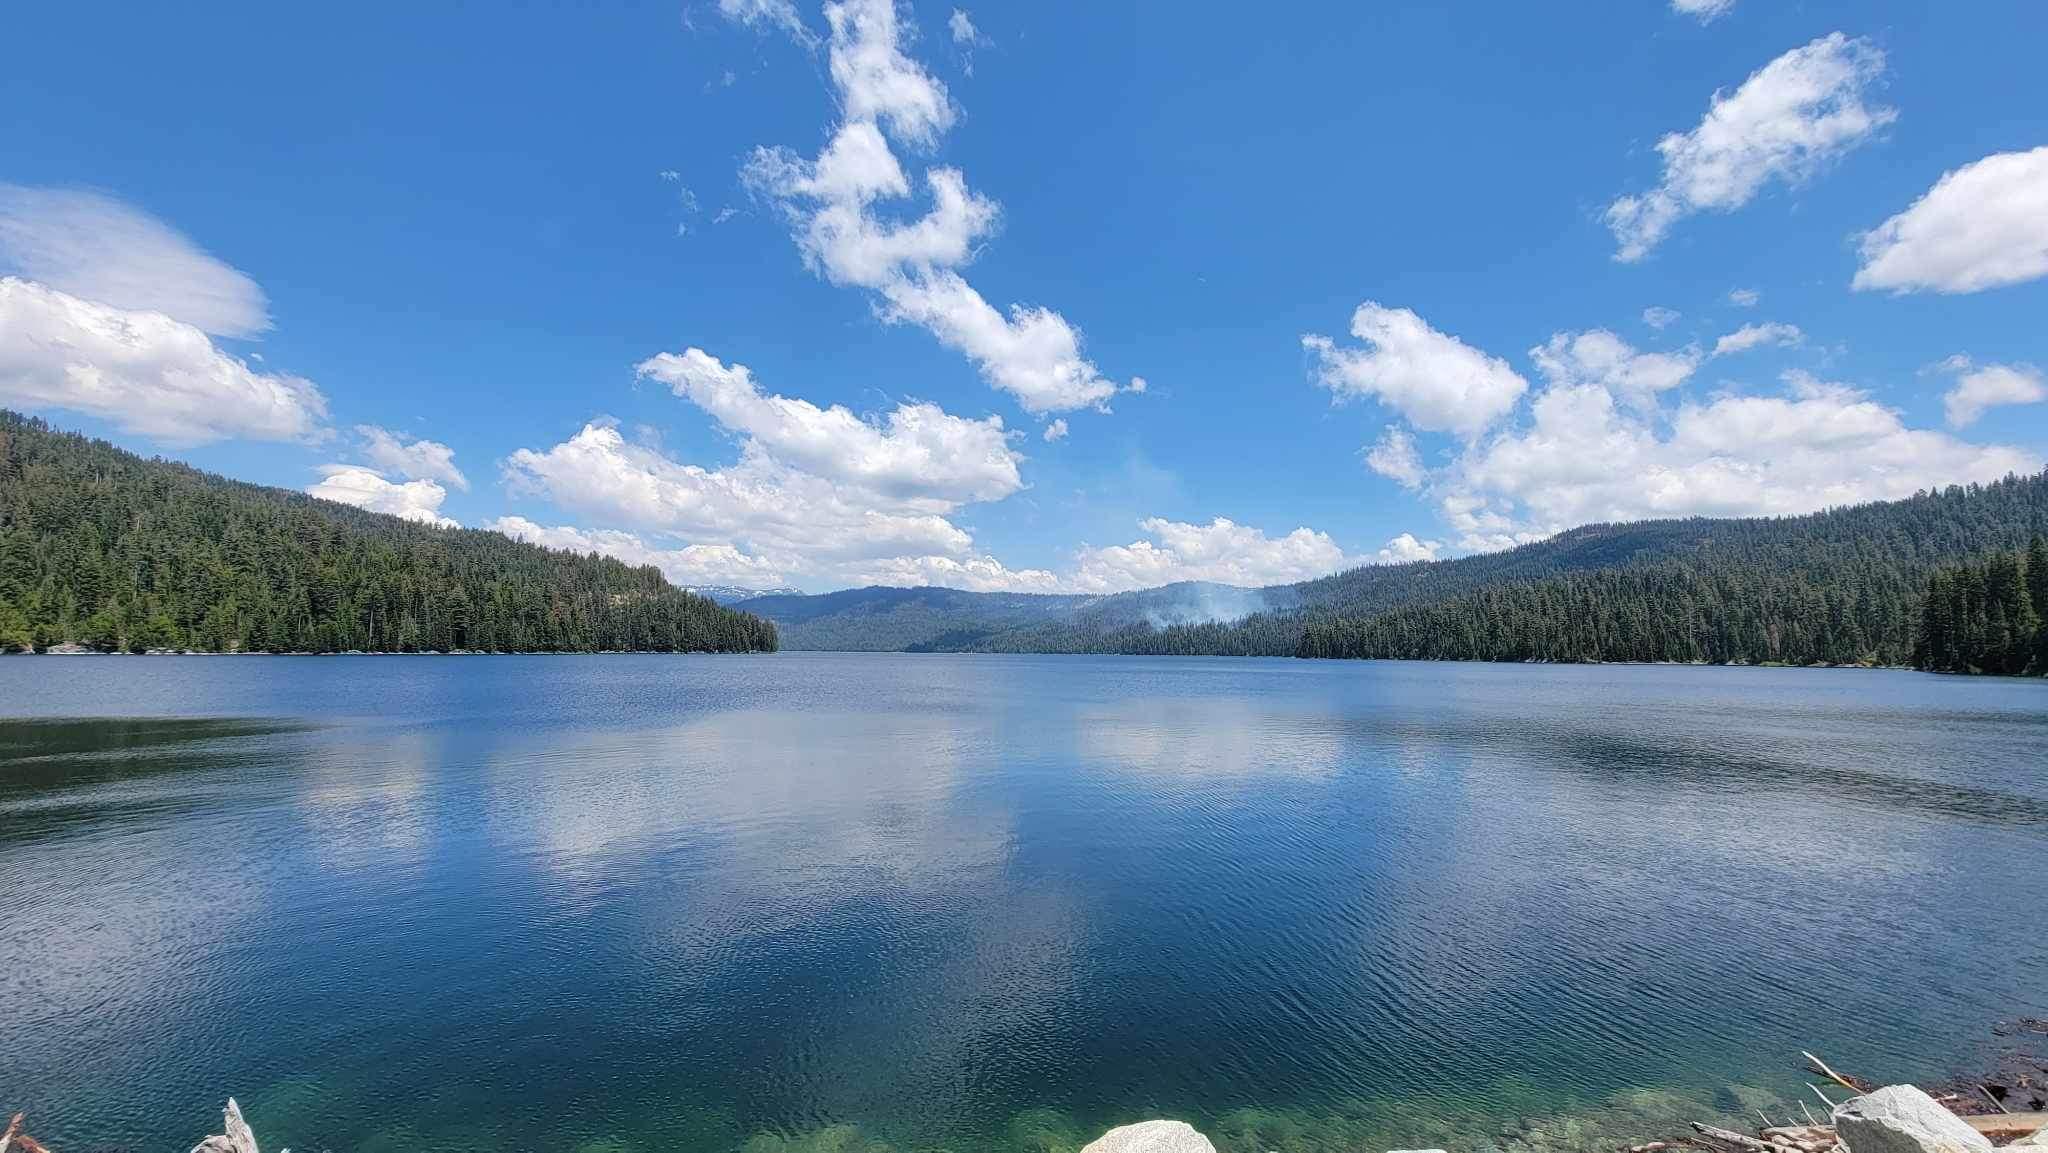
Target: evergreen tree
(101, 547)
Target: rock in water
(1151, 1137)
(236, 1139)
(1902, 1119)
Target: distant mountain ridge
(732, 594)
(1751, 589)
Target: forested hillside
(104, 548)
(1987, 617)
(1841, 586)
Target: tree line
(1986, 616)
(107, 549)
(1847, 586)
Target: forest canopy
(107, 549)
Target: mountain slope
(1872, 558)
(106, 548)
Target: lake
(883, 902)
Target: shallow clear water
(849, 901)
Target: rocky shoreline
(2006, 1108)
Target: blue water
(849, 902)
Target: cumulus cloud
(143, 371)
(1981, 226)
(689, 565)
(1222, 551)
(1785, 123)
(364, 488)
(1744, 297)
(1056, 430)
(1705, 11)
(1406, 549)
(1659, 317)
(1980, 388)
(918, 451)
(1583, 457)
(1600, 358)
(774, 510)
(1437, 381)
(1394, 456)
(835, 207)
(962, 27)
(980, 573)
(96, 248)
(1750, 336)
(415, 459)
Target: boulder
(1902, 1119)
(2038, 1140)
(1151, 1137)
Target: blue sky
(1387, 275)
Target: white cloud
(979, 573)
(1786, 122)
(1758, 336)
(1979, 388)
(876, 80)
(1705, 11)
(1659, 317)
(1981, 226)
(918, 452)
(689, 565)
(1744, 297)
(416, 460)
(96, 248)
(1435, 380)
(780, 14)
(833, 204)
(1582, 457)
(1405, 549)
(773, 510)
(962, 26)
(1222, 551)
(1598, 357)
(142, 371)
(1057, 430)
(1394, 456)
(351, 484)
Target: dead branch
(1854, 1084)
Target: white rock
(236, 1139)
(2036, 1140)
(1151, 1137)
(1902, 1119)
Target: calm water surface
(843, 902)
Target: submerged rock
(236, 1137)
(1151, 1137)
(1902, 1119)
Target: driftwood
(1854, 1084)
(14, 1138)
(2007, 1124)
(1741, 1140)
(237, 1137)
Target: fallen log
(2011, 1125)
(1740, 1140)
